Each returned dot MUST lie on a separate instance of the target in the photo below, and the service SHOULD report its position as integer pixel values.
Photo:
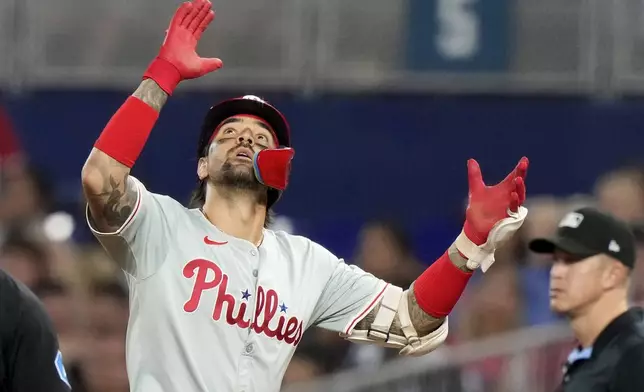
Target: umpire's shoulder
(16, 300)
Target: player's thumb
(210, 65)
(474, 177)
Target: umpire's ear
(202, 168)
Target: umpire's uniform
(615, 362)
(30, 360)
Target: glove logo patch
(60, 368)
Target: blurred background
(387, 101)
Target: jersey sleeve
(139, 246)
(36, 361)
(349, 294)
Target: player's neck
(592, 321)
(240, 216)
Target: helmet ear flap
(273, 167)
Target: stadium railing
(528, 360)
(552, 46)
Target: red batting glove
(490, 204)
(178, 59)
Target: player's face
(230, 155)
(576, 283)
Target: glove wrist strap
(476, 238)
(164, 74)
(482, 255)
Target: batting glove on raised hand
(178, 60)
(493, 215)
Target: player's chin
(236, 162)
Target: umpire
(30, 360)
(593, 256)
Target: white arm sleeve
(139, 246)
(348, 295)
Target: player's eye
(261, 137)
(229, 131)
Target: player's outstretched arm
(110, 194)
(416, 318)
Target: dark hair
(18, 242)
(39, 178)
(398, 234)
(109, 289)
(50, 288)
(198, 199)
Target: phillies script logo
(266, 304)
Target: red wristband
(127, 131)
(438, 289)
(165, 74)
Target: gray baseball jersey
(211, 312)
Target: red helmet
(246, 105)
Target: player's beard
(239, 179)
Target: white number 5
(458, 35)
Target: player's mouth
(244, 154)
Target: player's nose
(246, 137)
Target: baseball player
(218, 302)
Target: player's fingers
(474, 177)
(520, 189)
(514, 202)
(522, 168)
(203, 13)
(194, 11)
(204, 24)
(182, 12)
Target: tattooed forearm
(457, 259)
(111, 195)
(118, 199)
(150, 93)
(114, 204)
(423, 323)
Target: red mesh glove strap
(166, 75)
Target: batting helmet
(246, 105)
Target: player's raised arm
(111, 195)
(365, 309)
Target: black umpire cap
(588, 232)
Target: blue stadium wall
(359, 157)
